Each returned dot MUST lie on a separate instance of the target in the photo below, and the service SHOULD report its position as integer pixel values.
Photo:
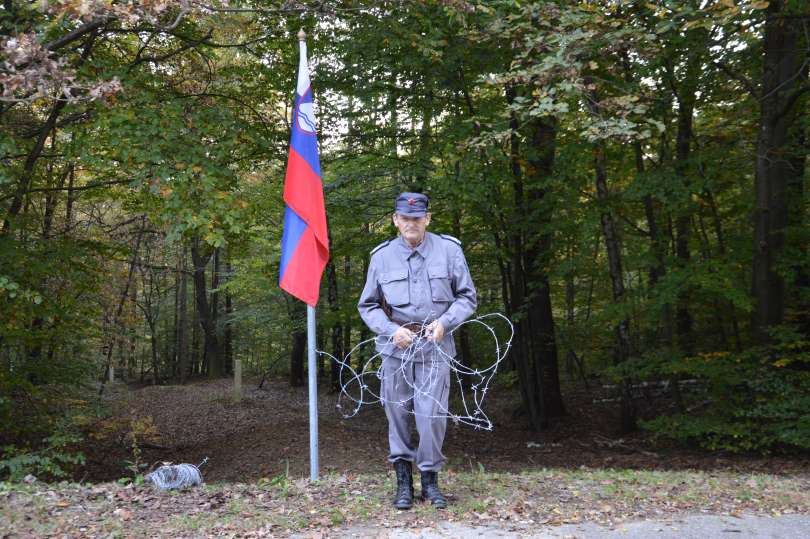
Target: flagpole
(311, 365)
(313, 395)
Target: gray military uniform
(417, 285)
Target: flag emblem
(306, 117)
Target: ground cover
(284, 506)
(511, 479)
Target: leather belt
(415, 327)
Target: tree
(784, 81)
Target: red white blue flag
(304, 245)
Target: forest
(628, 180)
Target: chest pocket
(441, 289)
(394, 286)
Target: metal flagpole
(312, 367)
(313, 395)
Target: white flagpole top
(303, 68)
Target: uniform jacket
(417, 285)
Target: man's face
(412, 228)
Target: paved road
(689, 527)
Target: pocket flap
(394, 275)
(438, 272)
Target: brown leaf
(122, 513)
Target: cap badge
(411, 202)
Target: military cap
(412, 204)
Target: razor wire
(423, 352)
(171, 476)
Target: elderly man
(417, 291)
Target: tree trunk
(365, 334)
(538, 256)
(779, 93)
(683, 318)
(535, 342)
(658, 268)
(337, 327)
(623, 343)
(196, 361)
(174, 358)
(69, 201)
(228, 331)
(297, 312)
(200, 255)
(425, 143)
(168, 343)
(51, 201)
(570, 320)
(121, 303)
(623, 346)
(216, 364)
(154, 343)
(132, 337)
(297, 358)
(530, 388)
(347, 325)
(182, 319)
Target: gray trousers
(418, 390)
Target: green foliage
(137, 480)
(46, 302)
(508, 379)
(138, 430)
(54, 459)
(758, 400)
(280, 482)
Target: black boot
(430, 490)
(404, 497)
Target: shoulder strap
(448, 237)
(380, 246)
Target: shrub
(51, 461)
(757, 400)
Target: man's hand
(403, 337)
(435, 331)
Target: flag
(304, 245)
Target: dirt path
(685, 527)
(267, 434)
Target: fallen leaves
(123, 514)
(514, 501)
(206, 423)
